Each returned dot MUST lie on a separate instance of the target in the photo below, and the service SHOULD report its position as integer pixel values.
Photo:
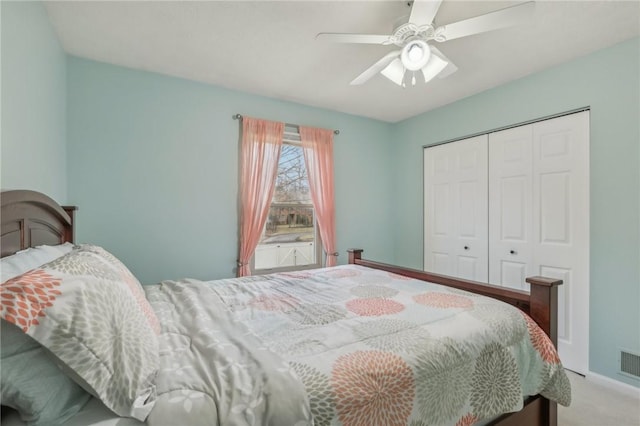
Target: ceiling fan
(416, 54)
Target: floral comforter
(374, 348)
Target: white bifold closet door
(455, 178)
(536, 220)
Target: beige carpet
(596, 405)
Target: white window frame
(292, 137)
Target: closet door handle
(466, 247)
(513, 252)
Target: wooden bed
(30, 218)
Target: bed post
(544, 304)
(70, 234)
(354, 254)
(543, 310)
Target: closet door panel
(456, 209)
(470, 244)
(440, 261)
(510, 205)
(471, 248)
(561, 225)
(438, 184)
(512, 196)
(555, 208)
(513, 273)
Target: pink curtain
(260, 153)
(317, 146)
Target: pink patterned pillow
(90, 312)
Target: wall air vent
(630, 363)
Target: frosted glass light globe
(415, 55)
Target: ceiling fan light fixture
(415, 55)
(394, 71)
(433, 67)
(412, 36)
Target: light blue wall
(33, 141)
(609, 82)
(152, 164)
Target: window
(289, 240)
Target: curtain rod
(239, 117)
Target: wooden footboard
(541, 304)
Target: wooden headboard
(30, 218)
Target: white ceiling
(268, 48)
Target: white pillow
(28, 259)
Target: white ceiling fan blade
(491, 21)
(376, 68)
(435, 65)
(394, 71)
(449, 69)
(423, 11)
(354, 38)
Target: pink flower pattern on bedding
(541, 342)
(467, 420)
(374, 307)
(443, 300)
(372, 385)
(341, 273)
(25, 297)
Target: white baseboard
(613, 384)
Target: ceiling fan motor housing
(406, 32)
